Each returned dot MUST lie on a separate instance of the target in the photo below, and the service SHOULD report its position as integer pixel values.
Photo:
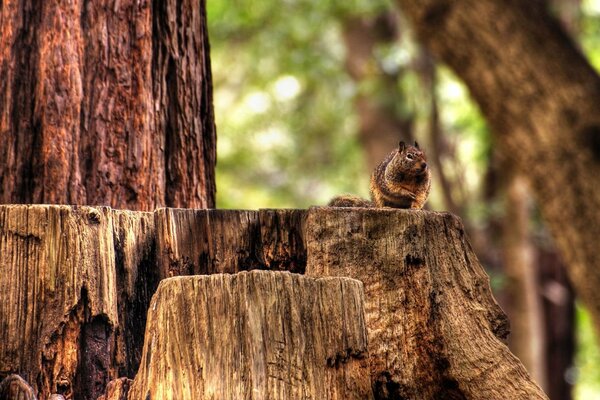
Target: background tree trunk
(524, 301)
(543, 104)
(106, 103)
(377, 101)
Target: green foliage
(283, 104)
(590, 31)
(586, 374)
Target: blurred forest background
(310, 95)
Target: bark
(72, 277)
(435, 331)
(106, 103)
(255, 335)
(117, 389)
(542, 102)
(13, 387)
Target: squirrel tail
(349, 200)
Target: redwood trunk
(542, 99)
(106, 103)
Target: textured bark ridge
(107, 103)
(13, 387)
(435, 331)
(77, 283)
(255, 335)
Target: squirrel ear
(417, 145)
(401, 146)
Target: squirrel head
(407, 161)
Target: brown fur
(349, 200)
(402, 180)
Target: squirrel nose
(424, 166)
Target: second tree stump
(255, 335)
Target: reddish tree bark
(106, 103)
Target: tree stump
(435, 331)
(255, 335)
(77, 283)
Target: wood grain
(255, 335)
(78, 281)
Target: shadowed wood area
(228, 241)
(435, 331)
(255, 335)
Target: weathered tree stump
(435, 331)
(77, 283)
(255, 335)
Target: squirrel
(402, 180)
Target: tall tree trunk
(543, 103)
(106, 103)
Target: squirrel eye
(410, 156)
